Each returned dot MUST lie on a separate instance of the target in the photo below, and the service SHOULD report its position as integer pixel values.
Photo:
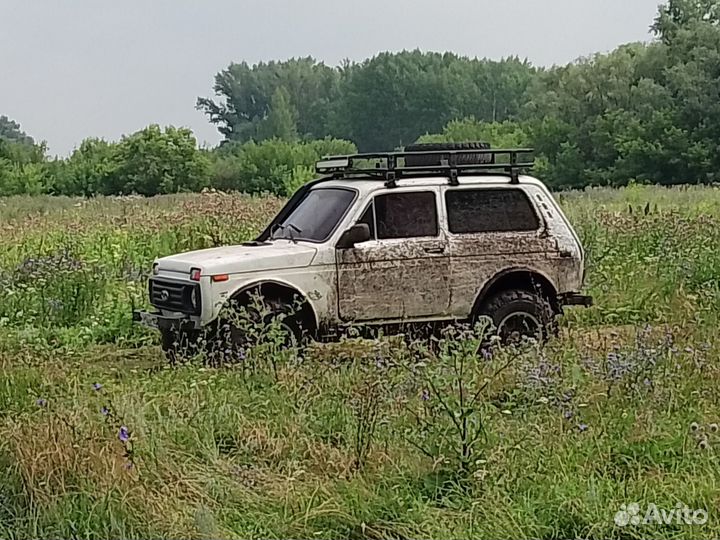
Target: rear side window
(489, 210)
(402, 215)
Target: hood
(277, 255)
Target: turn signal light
(220, 277)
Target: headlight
(156, 269)
(194, 298)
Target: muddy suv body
(414, 237)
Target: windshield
(317, 215)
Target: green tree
(271, 166)
(506, 134)
(154, 161)
(281, 120)
(10, 131)
(91, 169)
(677, 14)
(246, 94)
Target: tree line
(644, 112)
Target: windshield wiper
(293, 228)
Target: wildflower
(583, 427)
(41, 402)
(568, 415)
(124, 434)
(97, 386)
(694, 426)
(104, 411)
(425, 395)
(486, 353)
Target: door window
(402, 215)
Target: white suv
(439, 233)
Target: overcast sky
(78, 68)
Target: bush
(22, 178)
(273, 166)
(91, 169)
(155, 161)
(498, 134)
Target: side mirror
(354, 235)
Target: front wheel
(179, 344)
(245, 325)
(518, 314)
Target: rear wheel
(518, 314)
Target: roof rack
(392, 166)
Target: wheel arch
(273, 288)
(524, 278)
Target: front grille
(175, 296)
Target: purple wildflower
(41, 402)
(486, 353)
(425, 395)
(568, 415)
(104, 411)
(124, 434)
(583, 427)
(97, 386)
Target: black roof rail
(392, 166)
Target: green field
(366, 438)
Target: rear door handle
(435, 250)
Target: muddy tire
(517, 313)
(179, 345)
(462, 159)
(229, 339)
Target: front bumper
(573, 299)
(159, 321)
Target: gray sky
(79, 68)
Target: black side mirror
(354, 235)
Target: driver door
(403, 271)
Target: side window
(406, 215)
(489, 210)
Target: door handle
(434, 250)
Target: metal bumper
(573, 299)
(158, 321)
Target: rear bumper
(573, 299)
(158, 321)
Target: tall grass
(364, 438)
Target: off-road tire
(179, 345)
(227, 342)
(462, 159)
(513, 309)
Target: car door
(403, 271)
(491, 230)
